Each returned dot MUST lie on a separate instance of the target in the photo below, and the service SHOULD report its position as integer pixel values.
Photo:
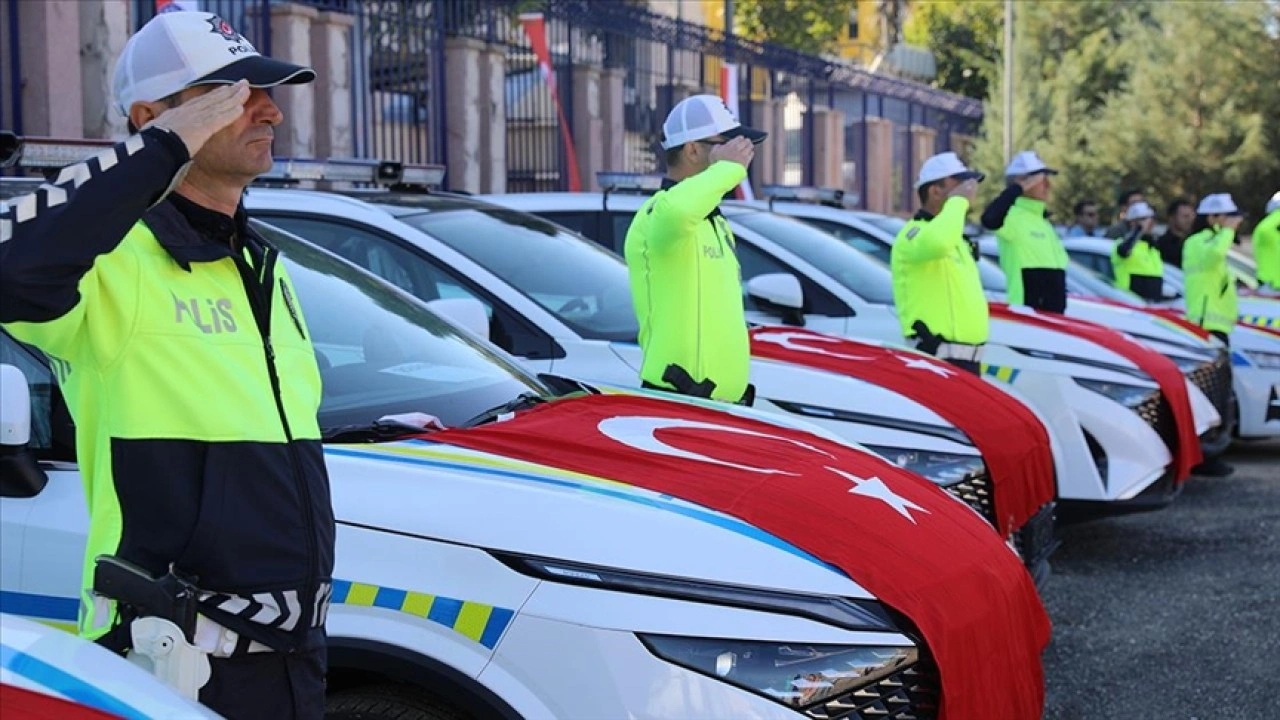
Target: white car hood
(455, 495)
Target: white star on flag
(875, 488)
(922, 364)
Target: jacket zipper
(255, 287)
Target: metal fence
(401, 98)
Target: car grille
(975, 491)
(910, 692)
(1156, 411)
(1214, 380)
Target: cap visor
(261, 72)
(755, 136)
(970, 175)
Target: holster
(926, 341)
(683, 382)
(169, 596)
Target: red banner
(1175, 316)
(1013, 442)
(535, 26)
(918, 549)
(1186, 453)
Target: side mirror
(781, 289)
(15, 408)
(20, 473)
(467, 313)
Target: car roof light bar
(625, 181)
(822, 196)
(38, 153)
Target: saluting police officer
(1031, 253)
(936, 286)
(1137, 263)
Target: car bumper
(1036, 542)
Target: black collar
(193, 233)
(668, 183)
(922, 214)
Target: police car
(48, 673)
(1103, 412)
(1240, 394)
(1255, 309)
(474, 584)
(563, 305)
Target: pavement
(1173, 613)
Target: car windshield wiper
(522, 401)
(382, 430)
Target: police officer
(187, 364)
(1135, 259)
(1031, 253)
(1266, 245)
(936, 286)
(1210, 288)
(685, 282)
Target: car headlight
(1264, 359)
(798, 675)
(939, 468)
(1130, 396)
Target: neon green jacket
(935, 278)
(1027, 240)
(189, 370)
(1266, 249)
(686, 285)
(1210, 289)
(1144, 261)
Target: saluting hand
(967, 190)
(739, 150)
(1232, 221)
(197, 120)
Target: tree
(1168, 97)
(810, 26)
(964, 37)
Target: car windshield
(585, 286)
(868, 277)
(382, 352)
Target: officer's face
(241, 151)
(1183, 218)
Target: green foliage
(811, 26)
(1170, 97)
(965, 37)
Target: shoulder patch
(913, 232)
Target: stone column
(828, 148)
(49, 48)
(493, 119)
(923, 142)
(462, 112)
(614, 144)
(588, 125)
(763, 171)
(104, 28)
(291, 42)
(879, 191)
(331, 53)
(779, 147)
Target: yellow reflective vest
(686, 285)
(1210, 289)
(935, 277)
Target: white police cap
(1274, 203)
(1139, 211)
(1218, 204)
(945, 165)
(1026, 163)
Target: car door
(44, 519)
(421, 275)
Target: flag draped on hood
(916, 548)
(1014, 443)
(1186, 451)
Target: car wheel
(389, 702)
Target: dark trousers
(268, 685)
(1222, 336)
(1045, 289)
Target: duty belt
(943, 349)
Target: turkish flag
(18, 703)
(1013, 442)
(1170, 314)
(1173, 385)
(917, 548)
